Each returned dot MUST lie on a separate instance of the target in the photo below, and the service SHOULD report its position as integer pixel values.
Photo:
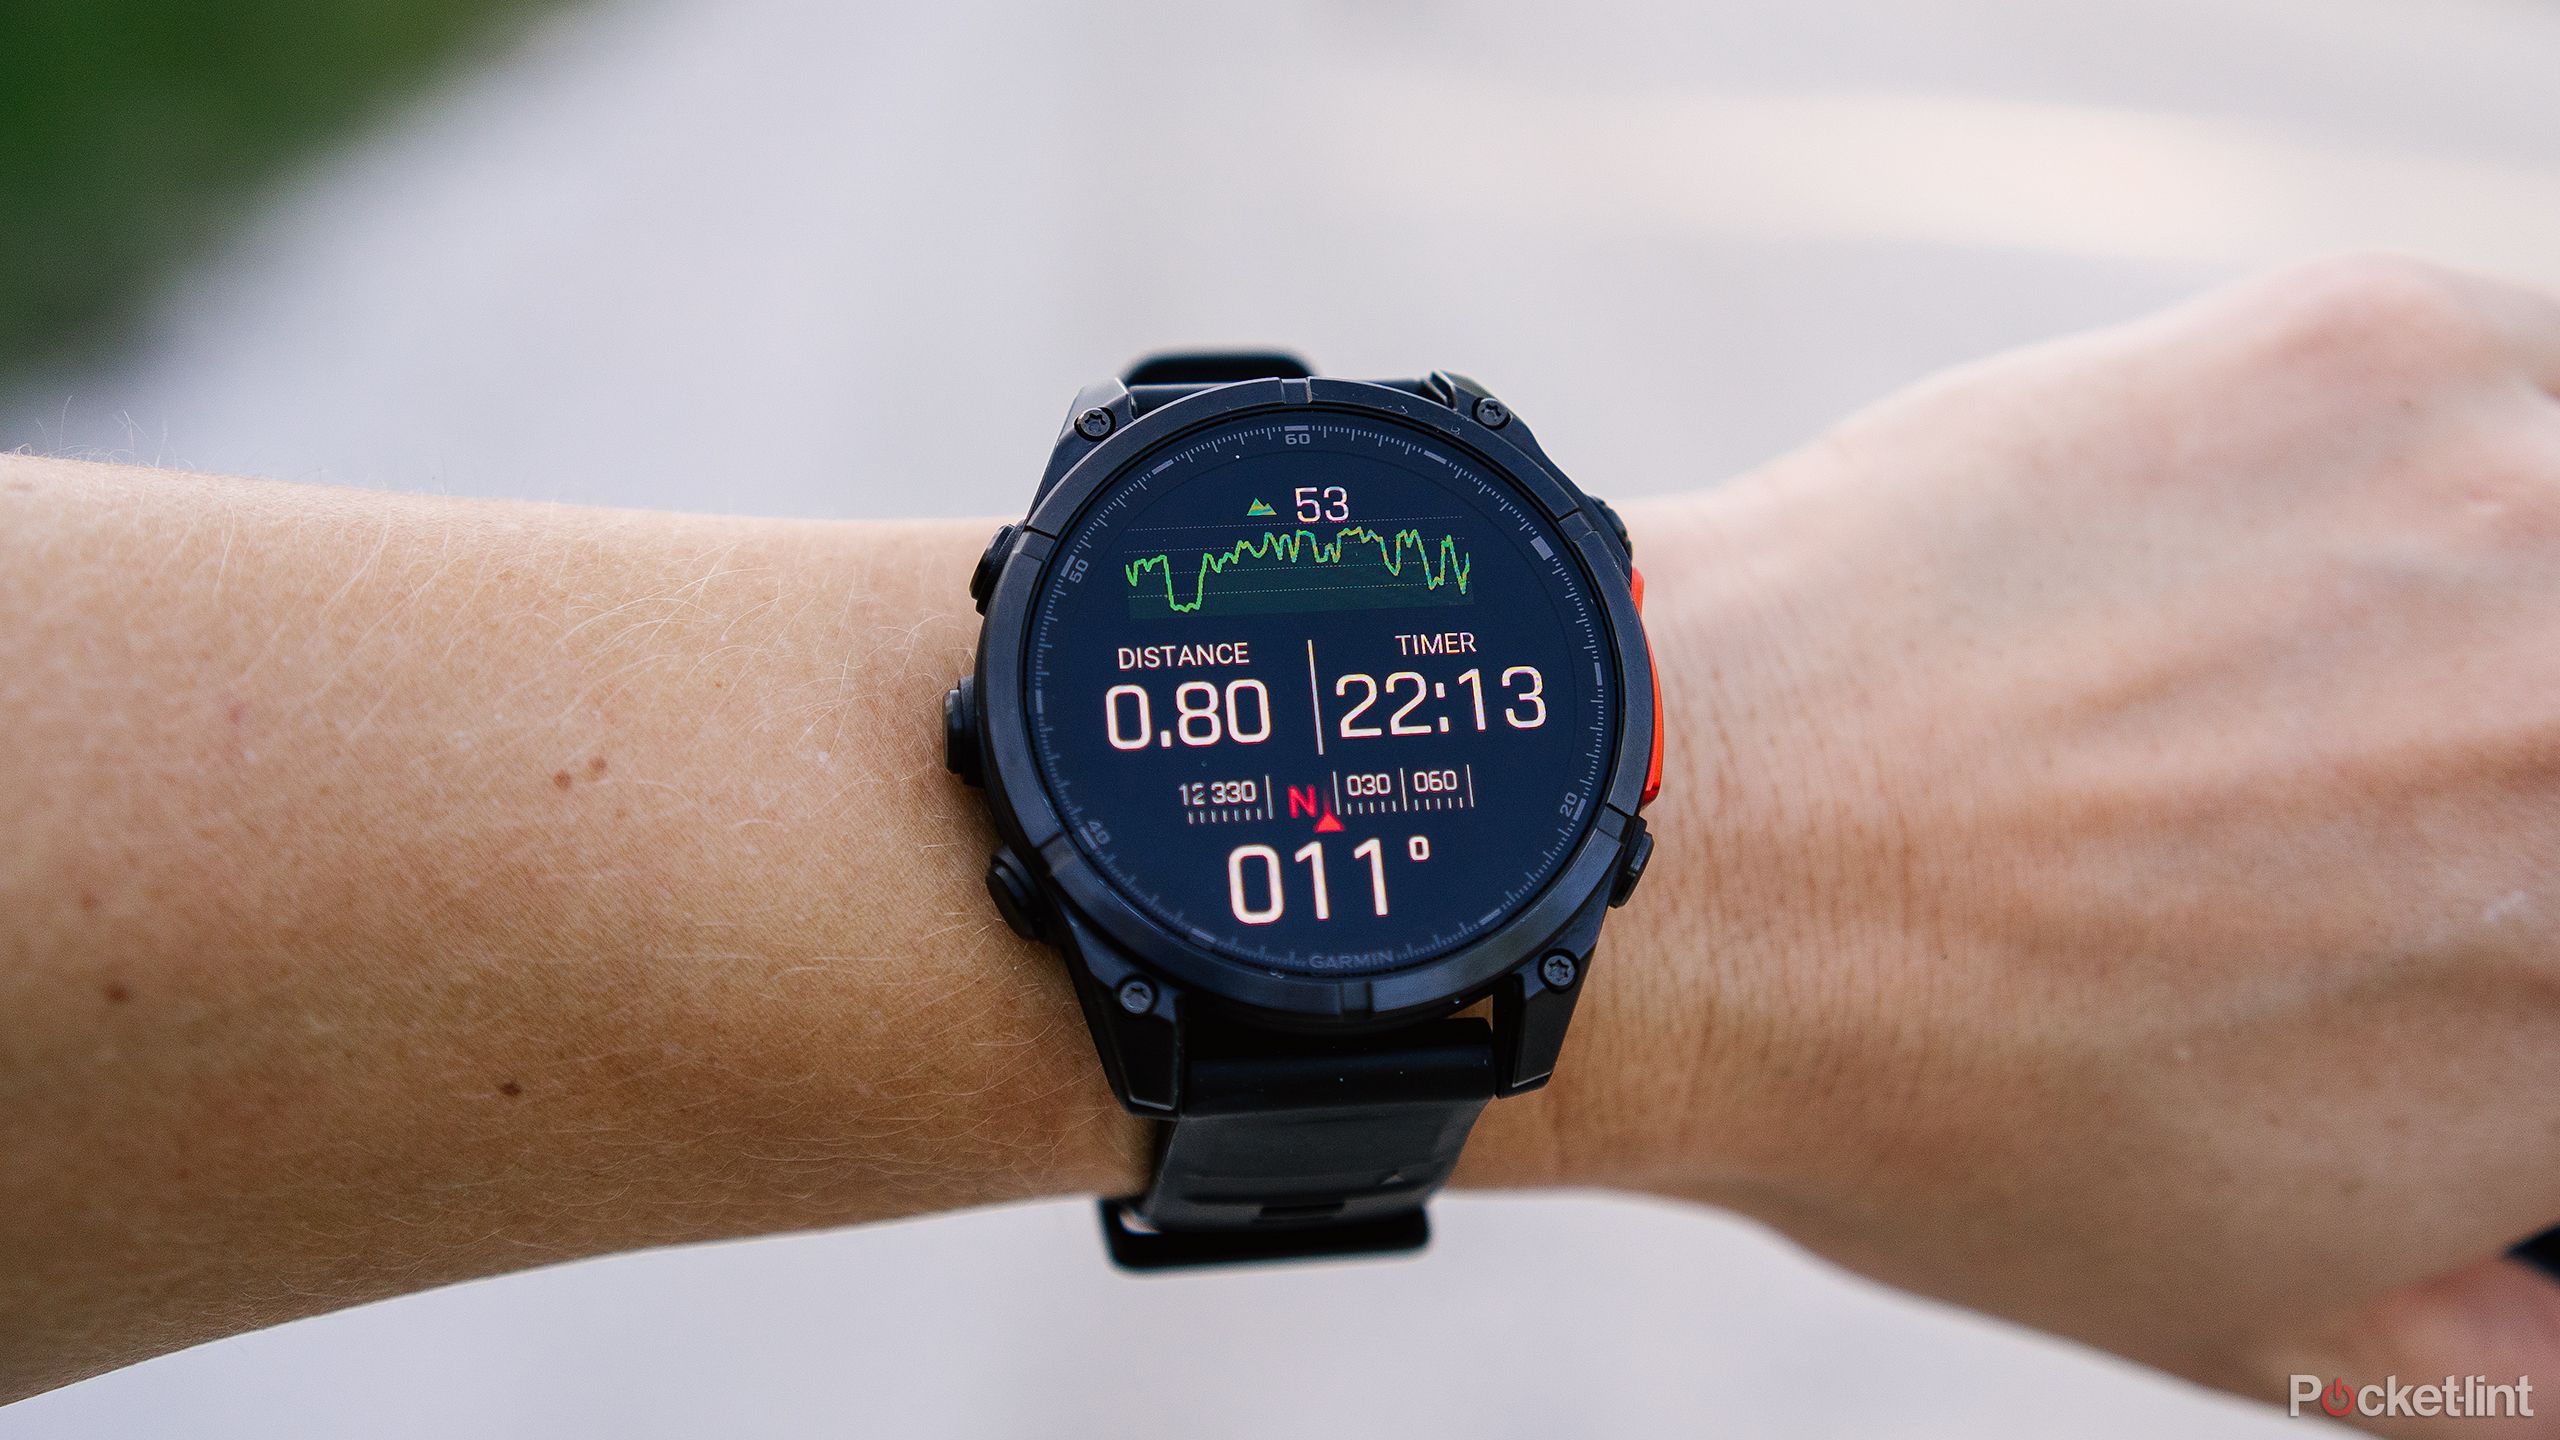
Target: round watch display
(1320, 692)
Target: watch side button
(1638, 854)
(1617, 527)
(960, 732)
(1017, 900)
(982, 581)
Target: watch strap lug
(1141, 1051)
(1531, 1011)
(1530, 1017)
(1454, 390)
(1108, 396)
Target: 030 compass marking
(1363, 792)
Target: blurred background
(793, 257)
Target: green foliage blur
(132, 132)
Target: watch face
(1323, 693)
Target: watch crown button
(1017, 900)
(1637, 855)
(960, 732)
(982, 581)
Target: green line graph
(1359, 568)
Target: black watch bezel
(1030, 821)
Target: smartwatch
(1316, 720)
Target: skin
(2105, 871)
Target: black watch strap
(1163, 379)
(1215, 367)
(1286, 1146)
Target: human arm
(2025, 809)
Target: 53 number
(1327, 502)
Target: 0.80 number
(1203, 714)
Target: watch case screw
(1559, 971)
(1492, 414)
(1094, 423)
(1137, 997)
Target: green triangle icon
(1257, 509)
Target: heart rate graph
(1344, 567)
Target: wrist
(791, 977)
(999, 1088)
(1707, 1059)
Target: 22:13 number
(1526, 710)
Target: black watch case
(1138, 982)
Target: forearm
(402, 889)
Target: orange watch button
(1653, 767)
